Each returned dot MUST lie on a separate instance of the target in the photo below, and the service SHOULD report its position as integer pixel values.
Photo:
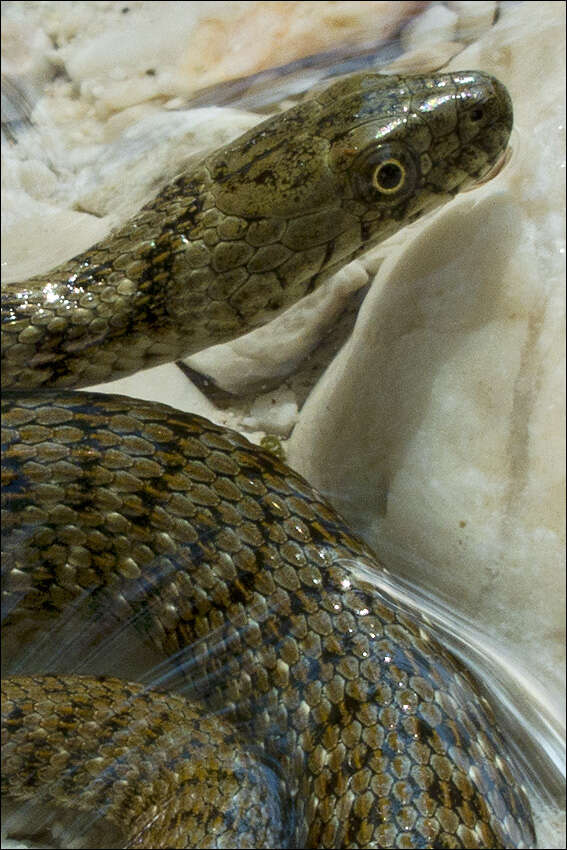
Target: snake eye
(477, 114)
(385, 173)
(389, 176)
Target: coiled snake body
(316, 712)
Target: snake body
(315, 710)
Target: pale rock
(475, 18)
(274, 412)
(163, 384)
(438, 24)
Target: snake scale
(286, 701)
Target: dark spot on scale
(265, 178)
(351, 704)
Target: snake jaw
(493, 172)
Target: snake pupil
(476, 114)
(389, 176)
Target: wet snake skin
(310, 708)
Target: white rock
(438, 24)
(275, 412)
(475, 18)
(162, 383)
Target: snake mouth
(502, 160)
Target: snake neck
(69, 326)
(180, 276)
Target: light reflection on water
(534, 732)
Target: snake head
(410, 143)
(370, 153)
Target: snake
(286, 699)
